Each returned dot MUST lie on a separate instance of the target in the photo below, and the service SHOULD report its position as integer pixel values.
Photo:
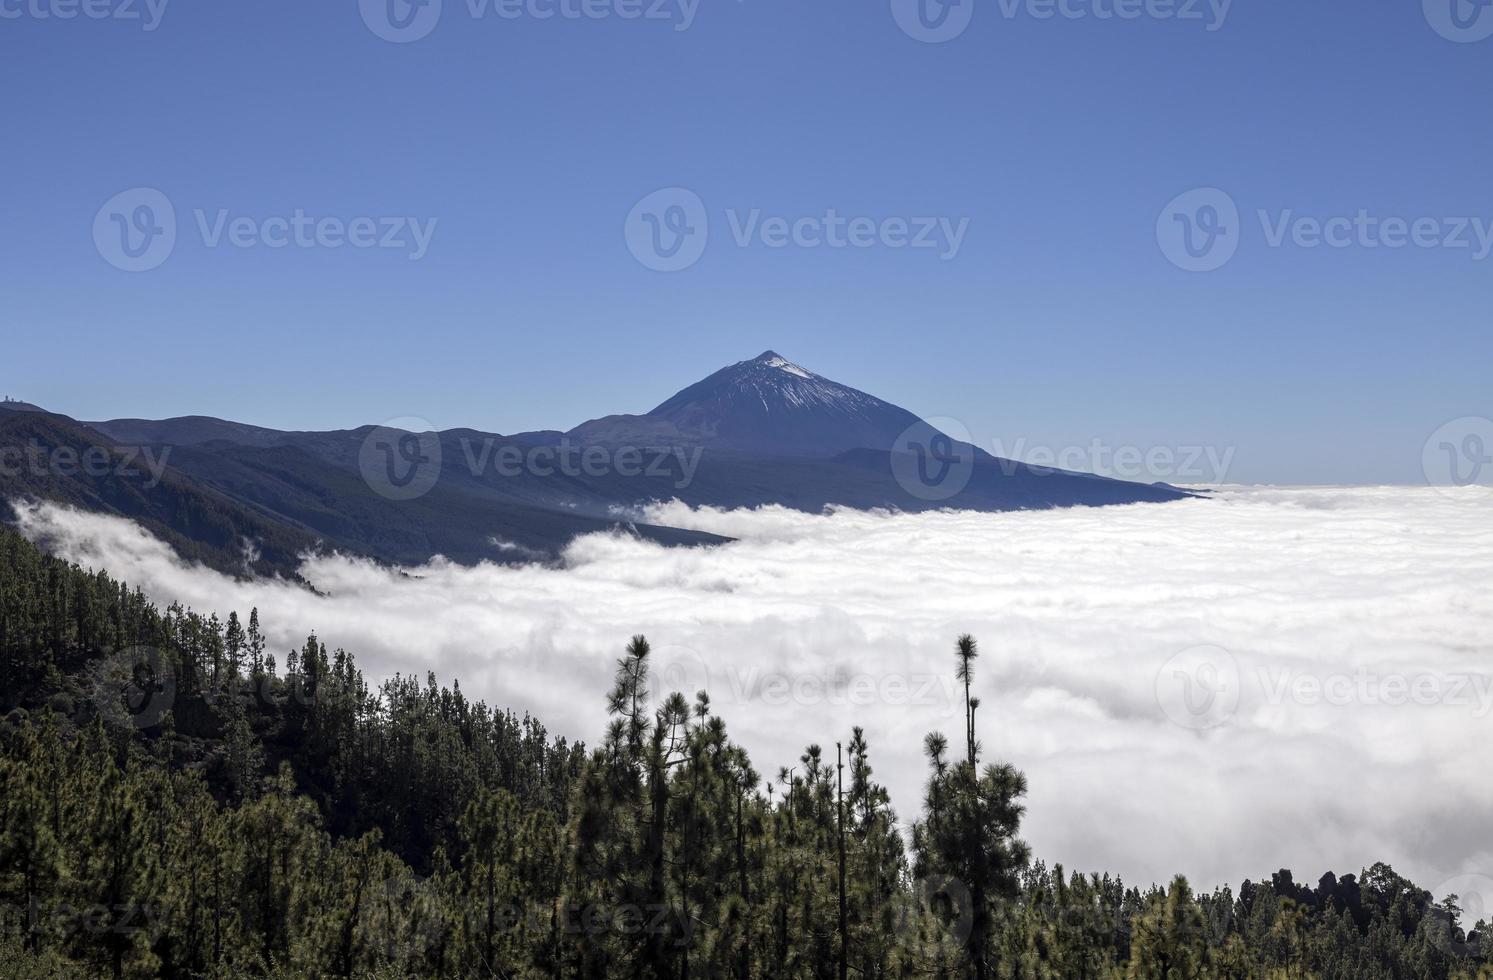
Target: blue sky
(1057, 144)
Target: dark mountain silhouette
(256, 509)
(50, 457)
(763, 431)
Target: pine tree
(969, 830)
(233, 647)
(256, 646)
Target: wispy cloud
(1217, 687)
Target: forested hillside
(178, 800)
(49, 457)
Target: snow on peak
(773, 359)
(790, 367)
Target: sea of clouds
(1223, 687)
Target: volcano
(760, 432)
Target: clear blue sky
(1059, 321)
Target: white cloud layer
(1273, 678)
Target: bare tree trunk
(840, 821)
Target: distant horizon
(506, 434)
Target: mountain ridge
(758, 432)
(771, 405)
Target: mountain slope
(759, 432)
(189, 430)
(771, 405)
(316, 485)
(767, 406)
(258, 508)
(51, 457)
